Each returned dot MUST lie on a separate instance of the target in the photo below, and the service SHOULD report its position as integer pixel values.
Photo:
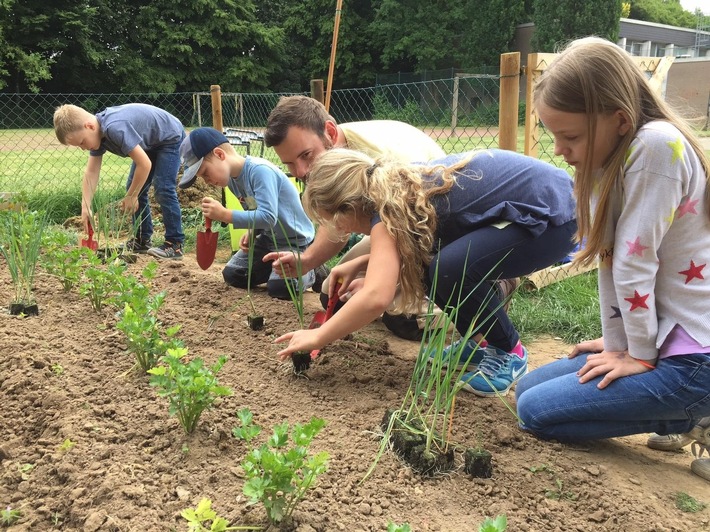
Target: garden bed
(64, 377)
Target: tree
(663, 12)
(559, 21)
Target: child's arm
(321, 249)
(363, 307)
(140, 176)
(88, 188)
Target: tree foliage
(559, 21)
(663, 12)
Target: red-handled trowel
(89, 242)
(206, 245)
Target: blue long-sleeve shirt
(271, 203)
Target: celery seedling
(190, 387)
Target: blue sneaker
(471, 354)
(500, 368)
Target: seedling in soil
(277, 475)
(9, 516)
(63, 260)
(248, 431)
(25, 470)
(255, 320)
(102, 282)
(67, 445)
(559, 493)
(301, 360)
(686, 503)
(57, 369)
(144, 335)
(499, 524)
(191, 388)
(20, 244)
(393, 527)
(200, 518)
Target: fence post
(531, 132)
(216, 93)
(455, 105)
(317, 89)
(509, 98)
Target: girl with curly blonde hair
(468, 220)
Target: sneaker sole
(668, 445)
(163, 257)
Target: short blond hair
(68, 119)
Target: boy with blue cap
(272, 207)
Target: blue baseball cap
(193, 150)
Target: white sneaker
(701, 467)
(669, 442)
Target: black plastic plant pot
(108, 253)
(477, 463)
(301, 361)
(256, 322)
(17, 309)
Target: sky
(691, 5)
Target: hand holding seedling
(214, 210)
(302, 340)
(245, 241)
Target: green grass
(568, 309)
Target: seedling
(20, 244)
(255, 320)
(558, 493)
(393, 527)
(102, 283)
(67, 445)
(200, 518)
(191, 388)
(143, 330)
(686, 503)
(499, 524)
(277, 475)
(57, 369)
(25, 470)
(248, 431)
(63, 260)
(9, 516)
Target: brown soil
(65, 375)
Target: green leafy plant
(248, 430)
(20, 243)
(10, 516)
(250, 264)
(144, 335)
(101, 282)
(393, 527)
(191, 388)
(67, 445)
(62, 259)
(278, 475)
(198, 519)
(686, 503)
(295, 289)
(499, 524)
(111, 225)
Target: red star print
(687, 207)
(638, 301)
(635, 247)
(694, 272)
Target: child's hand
(303, 340)
(588, 346)
(244, 242)
(213, 209)
(129, 204)
(611, 365)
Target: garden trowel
(206, 245)
(89, 242)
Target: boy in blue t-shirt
(272, 207)
(151, 137)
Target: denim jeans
(163, 176)
(669, 399)
(485, 255)
(236, 272)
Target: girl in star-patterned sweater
(643, 212)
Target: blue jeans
(489, 254)
(669, 399)
(163, 176)
(236, 272)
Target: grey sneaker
(167, 251)
(135, 245)
(321, 272)
(669, 442)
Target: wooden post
(317, 89)
(196, 101)
(216, 93)
(455, 105)
(509, 98)
(334, 46)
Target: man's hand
(286, 263)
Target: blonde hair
(595, 77)
(68, 119)
(346, 182)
